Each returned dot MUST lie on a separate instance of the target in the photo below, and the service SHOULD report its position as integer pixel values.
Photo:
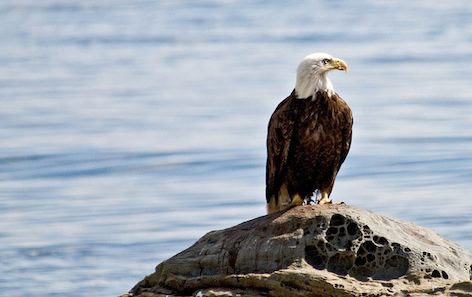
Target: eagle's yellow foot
(325, 201)
(296, 200)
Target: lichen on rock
(331, 250)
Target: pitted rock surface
(330, 250)
(344, 246)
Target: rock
(333, 250)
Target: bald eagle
(309, 137)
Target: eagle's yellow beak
(338, 64)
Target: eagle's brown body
(308, 140)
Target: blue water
(131, 128)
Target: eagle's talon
(297, 200)
(325, 201)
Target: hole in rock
(349, 244)
(369, 246)
(362, 272)
(398, 262)
(332, 231)
(380, 240)
(444, 275)
(370, 258)
(360, 261)
(394, 267)
(341, 263)
(352, 229)
(337, 220)
(315, 258)
(361, 251)
(435, 273)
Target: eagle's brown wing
(346, 130)
(279, 135)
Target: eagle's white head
(311, 74)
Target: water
(131, 128)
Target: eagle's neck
(309, 83)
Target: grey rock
(330, 250)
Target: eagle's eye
(325, 61)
